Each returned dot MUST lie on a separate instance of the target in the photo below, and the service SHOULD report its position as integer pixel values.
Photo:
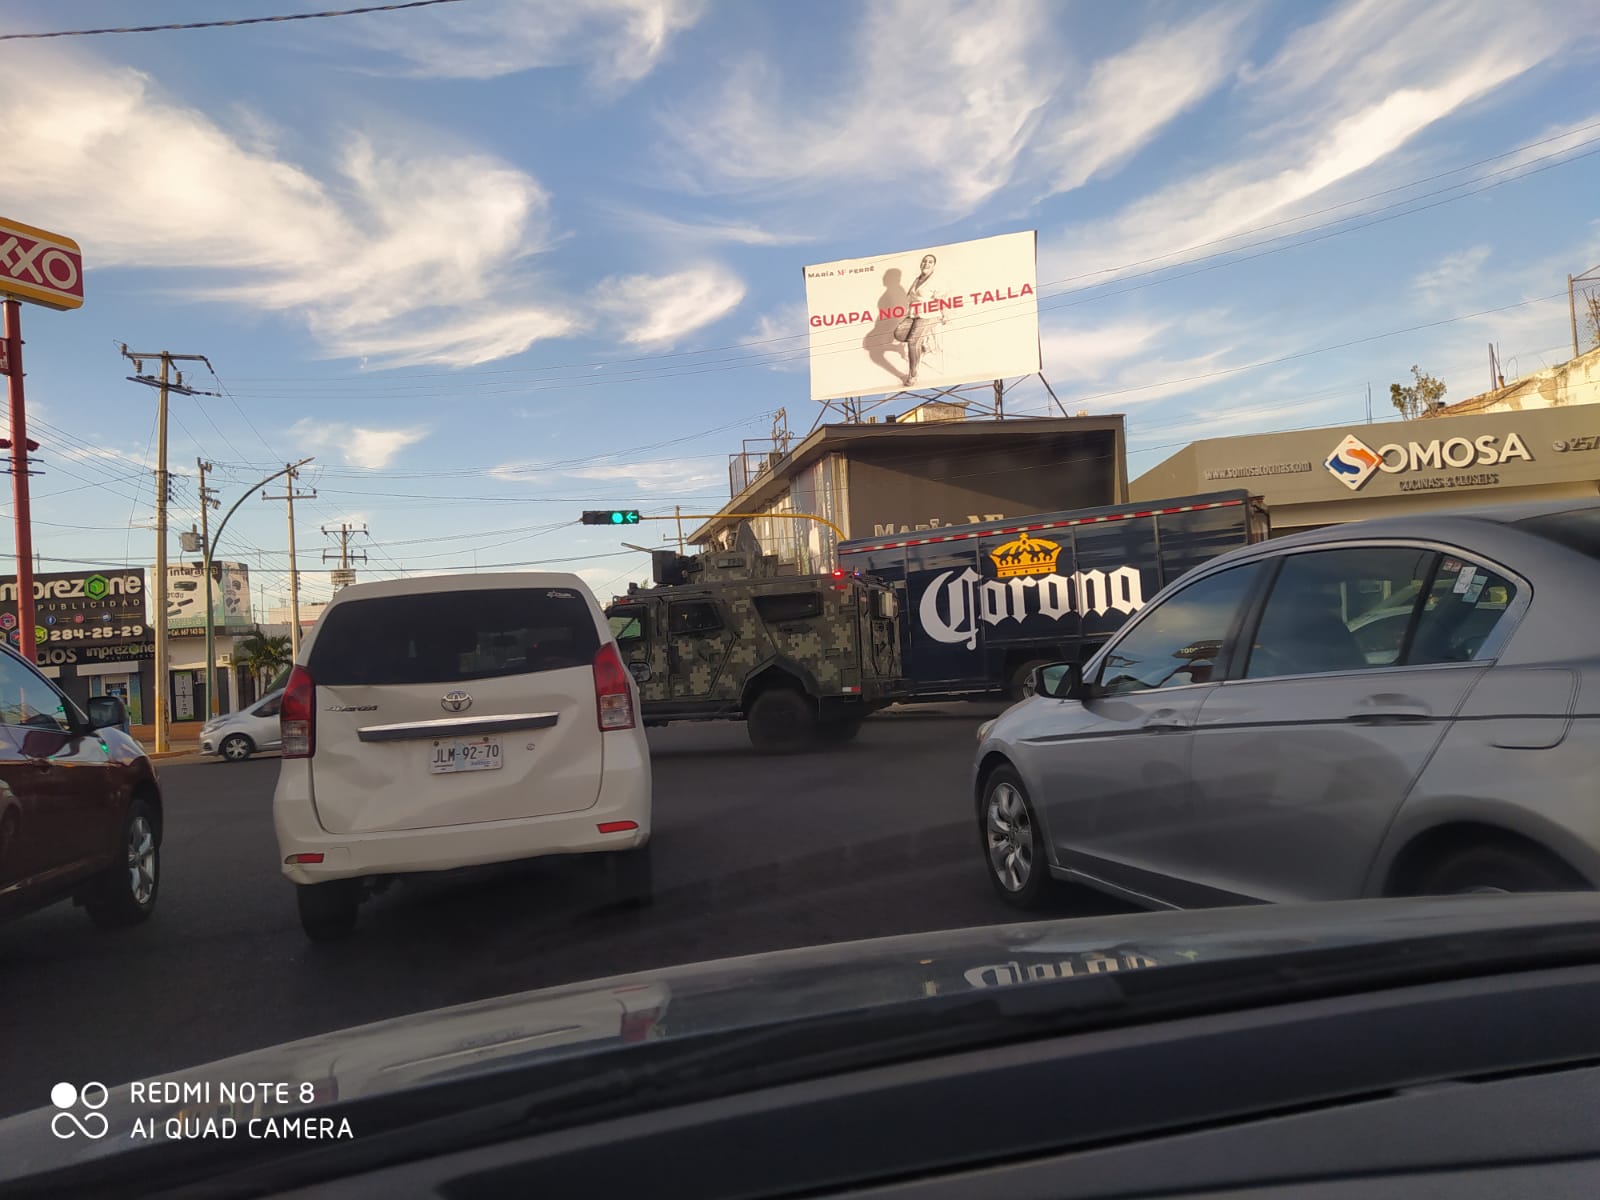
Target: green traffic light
(618, 518)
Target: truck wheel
(782, 721)
(839, 730)
(1020, 685)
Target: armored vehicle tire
(782, 721)
(839, 730)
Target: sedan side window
(1181, 640)
(1340, 610)
(26, 699)
(270, 708)
(1464, 605)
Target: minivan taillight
(297, 718)
(613, 697)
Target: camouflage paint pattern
(846, 642)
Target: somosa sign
(1354, 462)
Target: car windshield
(511, 495)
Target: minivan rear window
(448, 637)
(1577, 529)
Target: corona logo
(1025, 556)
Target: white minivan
(453, 721)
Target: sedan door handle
(1164, 719)
(1389, 708)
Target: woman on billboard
(919, 331)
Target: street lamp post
(210, 548)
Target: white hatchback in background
(455, 721)
(237, 735)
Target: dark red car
(80, 808)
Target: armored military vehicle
(801, 659)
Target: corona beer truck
(982, 605)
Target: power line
(310, 16)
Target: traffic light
(611, 516)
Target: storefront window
(125, 688)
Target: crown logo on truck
(1025, 556)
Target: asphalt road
(752, 854)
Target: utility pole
(18, 446)
(677, 511)
(164, 385)
(208, 501)
(344, 576)
(292, 470)
(1572, 311)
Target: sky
(497, 261)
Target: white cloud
(1130, 97)
(392, 234)
(1453, 276)
(733, 232)
(1075, 351)
(620, 41)
(942, 92)
(657, 310)
(358, 446)
(1391, 72)
(780, 338)
(652, 477)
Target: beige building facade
(1316, 477)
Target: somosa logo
(1354, 462)
(955, 602)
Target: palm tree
(261, 654)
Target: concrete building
(1576, 381)
(925, 469)
(1316, 477)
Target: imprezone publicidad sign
(1353, 461)
(81, 606)
(37, 265)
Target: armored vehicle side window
(693, 616)
(789, 606)
(627, 625)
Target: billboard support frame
(854, 408)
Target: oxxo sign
(1354, 462)
(40, 266)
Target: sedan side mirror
(1061, 681)
(107, 712)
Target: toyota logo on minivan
(456, 702)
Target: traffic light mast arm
(787, 516)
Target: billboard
(965, 481)
(79, 607)
(935, 317)
(230, 596)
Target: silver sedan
(1403, 706)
